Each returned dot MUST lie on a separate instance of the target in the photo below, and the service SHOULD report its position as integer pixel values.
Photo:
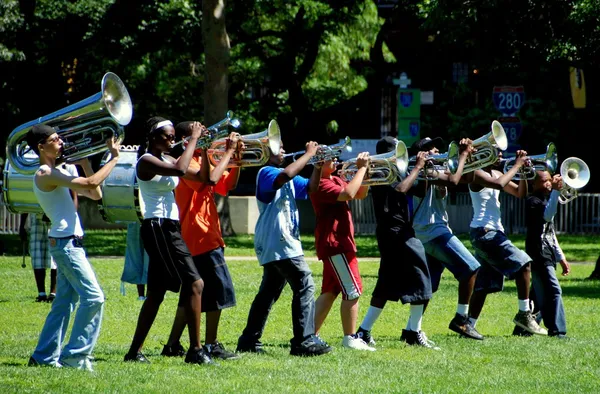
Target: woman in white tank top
(171, 266)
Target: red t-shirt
(334, 233)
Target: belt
(69, 237)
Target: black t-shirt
(540, 234)
(391, 212)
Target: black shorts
(171, 264)
(403, 272)
(218, 290)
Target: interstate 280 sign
(508, 99)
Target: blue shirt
(277, 232)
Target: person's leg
(323, 305)
(270, 289)
(193, 313)
(141, 289)
(53, 282)
(596, 272)
(549, 299)
(40, 282)
(145, 320)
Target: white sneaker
(83, 364)
(351, 342)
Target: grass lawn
(500, 363)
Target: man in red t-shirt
(201, 231)
(334, 239)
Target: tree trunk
(216, 52)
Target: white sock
(462, 309)
(43, 293)
(415, 318)
(371, 317)
(524, 305)
(472, 321)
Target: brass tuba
(216, 131)
(325, 152)
(84, 126)
(384, 168)
(543, 162)
(486, 147)
(575, 174)
(257, 151)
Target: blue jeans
(547, 297)
(275, 275)
(76, 281)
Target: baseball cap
(38, 133)
(426, 144)
(386, 144)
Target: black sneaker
(51, 297)
(217, 350)
(314, 346)
(417, 339)
(365, 335)
(519, 332)
(198, 356)
(32, 362)
(137, 358)
(460, 324)
(173, 351)
(559, 335)
(41, 298)
(249, 347)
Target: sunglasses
(170, 137)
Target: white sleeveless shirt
(156, 196)
(486, 208)
(60, 209)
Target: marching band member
(279, 251)
(541, 244)
(334, 241)
(443, 249)
(76, 279)
(171, 265)
(496, 253)
(201, 231)
(403, 273)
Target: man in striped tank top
(498, 256)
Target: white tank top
(60, 209)
(486, 208)
(156, 196)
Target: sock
(472, 321)
(371, 317)
(462, 309)
(415, 318)
(524, 305)
(42, 293)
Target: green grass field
(500, 363)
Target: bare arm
(350, 192)
(233, 144)
(504, 181)
(408, 182)
(294, 168)
(315, 178)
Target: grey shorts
(499, 258)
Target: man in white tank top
(496, 253)
(75, 277)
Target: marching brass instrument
(575, 175)
(437, 163)
(216, 131)
(543, 162)
(257, 150)
(383, 169)
(324, 152)
(486, 148)
(84, 126)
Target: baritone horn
(575, 175)
(257, 150)
(383, 169)
(84, 126)
(216, 131)
(543, 162)
(486, 147)
(438, 163)
(324, 152)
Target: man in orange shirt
(201, 231)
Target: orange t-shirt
(198, 216)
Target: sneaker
(526, 321)
(418, 339)
(352, 342)
(519, 332)
(198, 356)
(313, 346)
(51, 297)
(33, 363)
(365, 335)
(173, 351)
(138, 358)
(217, 350)
(41, 298)
(460, 324)
(247, 347)
(82, 364)
(559, 335)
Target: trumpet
(383, 169)
(216, 131)
(486, 148)
(324, 152)
(437, 163)
(257, 150)
(575, 174)
(543, 162)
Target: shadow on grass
(591, 291)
